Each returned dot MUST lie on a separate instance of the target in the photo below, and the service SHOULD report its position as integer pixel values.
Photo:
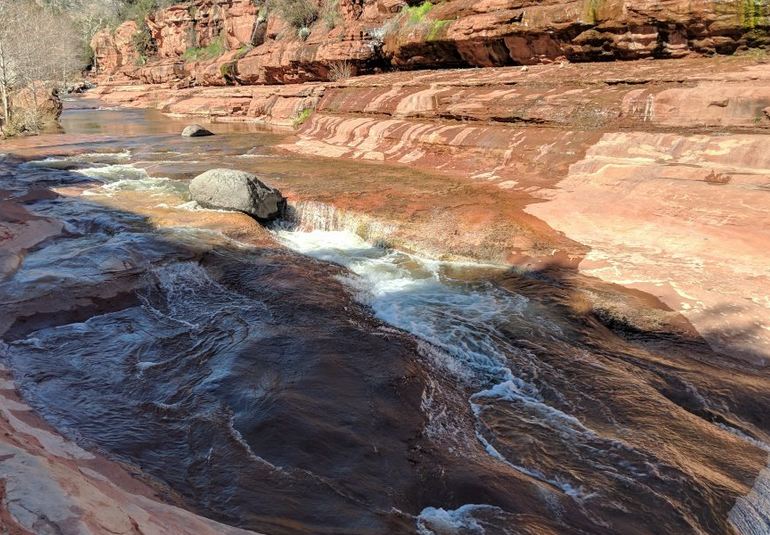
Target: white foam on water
(114, 173)
(437, 521)
(411, 294)
(191, 297)
(87, 157)
(146, 365)
(743, 436)
(122, 156)
(238, 438)
(193, 206)
(751, 513)
(460, 322)
(577, 493)
(153, 186)
(127, 177)
(526, 395)
(310, 216)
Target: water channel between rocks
(311, 379)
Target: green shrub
(437, 29)
(214, 49)
(754, 13)
(302, 116)
(143, 42)
(140, 9)
(592, 10)
(228, 70)
(417, 13)
(413, 21)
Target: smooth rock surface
(196, 130)
(228, 189)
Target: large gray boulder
(196, 130)
(228, 189)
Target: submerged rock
(229, 189)
(196, 130)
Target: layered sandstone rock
(197, 24)
(491, 33)
(34, 108)
(354, 37)
(115, 52)
(273, 105)
(38, 98)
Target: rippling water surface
(311, 381)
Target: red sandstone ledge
(658, 168)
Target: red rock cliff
(364, 36)
(115, 51)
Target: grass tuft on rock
(213, 50)
(416, 14)
(302, 116)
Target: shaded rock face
(114, 52)
(196, 130)
(228, 189)
(371, 35)
(180, 27)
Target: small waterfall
(307, 216)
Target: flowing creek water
(306, 380)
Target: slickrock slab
(656, 166)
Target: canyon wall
(256, 45)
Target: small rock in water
(228, 189)
(196, 130)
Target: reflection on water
(323, 383)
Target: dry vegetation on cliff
(31, 70)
